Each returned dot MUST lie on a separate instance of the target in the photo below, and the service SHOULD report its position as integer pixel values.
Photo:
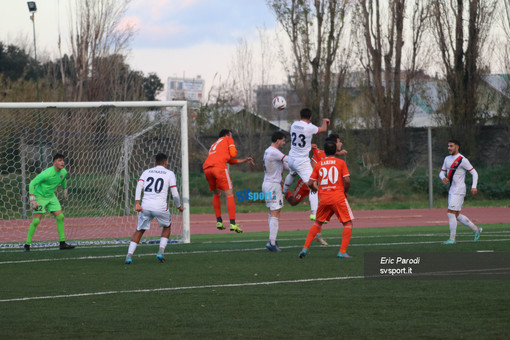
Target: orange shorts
(341, 209)
(301, 190)
(218, 179)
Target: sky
(173, 37)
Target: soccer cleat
(312, 217)
(302, 254)
(318, 238)
(341, 255)
(220, 226)
(128, 260)
(26, 248)
(235, 227)
(160, 258)
(64, 246)
(449, 241)
(477, 233)
(274, 248)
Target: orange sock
(346, 238)
(231, 207)
(216, 202)
(314, 230)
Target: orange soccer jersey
(329, 173)
(221, 153)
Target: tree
(381, 36)
(96, 34)
(152, 86)
(315, 31)
(461, 30)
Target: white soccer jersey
(273, 165)
(454, 168)
(301, 139)
(155, 183)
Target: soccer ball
(279, 103)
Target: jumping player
(453, 172)
(154, 184)
(331, 178)
(223, 151)
(301, 133)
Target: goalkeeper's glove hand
(33, 203)
(65, 194)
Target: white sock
(288, 182)
(132, 248)
(162, 244)
(314, 202)
(273, 229)
(464, 220)
(453, 226)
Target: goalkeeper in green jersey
(42, 198)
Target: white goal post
(107, 146)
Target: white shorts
(302, 167)
(145, 218)
(455, 202)
(276, 200)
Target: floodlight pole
(32, 8)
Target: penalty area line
(167, 289)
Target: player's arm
(63, 184)
(176, 198)
(31, 189)
(347, 184)
(242, 160)
(232, 150)
(138, 195)
(442, 174)
(312, 182)
(341, 153)
(324, 126)
(474, 174)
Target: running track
(119, 227)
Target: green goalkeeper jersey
(47, 182)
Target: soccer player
(42, 198)
(301, 191)
(274, 163)
(223, 151)
(301, 133)
(330, 177)
(453, 172)
(154, 183)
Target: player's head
(305, 113)
(329, 148)
(225, 132)
(278, 139)
(160, 159)
(58, 161)
(453, 146)
(335, 138)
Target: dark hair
(454, 141)
(329, 148)
(332, 137)
(161, 158)
(305, 113)
(277, 135)
(224, 132)
(57, 156)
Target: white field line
(227, 285)
(236, 250)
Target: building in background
(190, 89)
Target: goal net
(107, 146)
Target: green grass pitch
(230, 286)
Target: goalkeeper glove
(33, 203)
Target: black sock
(218, 219)
(232, 221)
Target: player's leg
(323, 212)
(165, 221)
(211, 176)
(454, 206)
(33, 226)
(144, 223)
(467, 222)
(55, 208)
(275, 204)
(344, 213)
(224, 183)
(288, 181)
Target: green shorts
(50, 204)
